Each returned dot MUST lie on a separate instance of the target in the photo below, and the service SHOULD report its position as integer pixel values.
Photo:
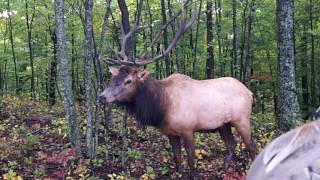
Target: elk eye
(128, 82)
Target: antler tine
(155, 40)
(121, 56)
(183, 28)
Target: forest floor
(34, 145)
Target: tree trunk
(68, 99)
(3, 66)
(12, 49)
(191, 46)
(218, 24)
(248, 70)
(195, 50)
(313, 67)
(1, 79)
(287, 102)
(53, 68)
(73, 60)
(234, 67)
(5, 83)
(88, 54)
(173, 27)
(150, 26)
(158, 65)
(210, 50)
(165, 36)
(126, 28)
(29, 20)
(304, 76)
(100, 76)
(53, 72)
(243, 39)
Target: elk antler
(121, 55)
(183, 28)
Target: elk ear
(143, 74)
(113, 70)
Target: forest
(57, 58)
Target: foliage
(12, 176)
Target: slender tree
(218, 10)
(3, 65)
(125, 23)
(29, 22)
(313, 66)
(304, 76)
(68, 99)
(165, 36)
(12, 48)
(100, 79)
(1, 79)
(195, 50)
(243, 40)
(248, 69)
(129, 50)
(73, 59)
(234, 66)
(210, 50)
(88, 57)
(53, 71)
(287, 101)
(173, 28)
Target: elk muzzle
(106, 97)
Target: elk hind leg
(244, 131)
(190, 148)
(227, 136)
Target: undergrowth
(40, 149)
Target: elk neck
(149, 105)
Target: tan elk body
(205, 105)
(178, 105)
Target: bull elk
(293, 155)
(179, 106)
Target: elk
(293, 155)
(179, 106)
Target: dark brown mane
(149, 105)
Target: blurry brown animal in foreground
(293, 155)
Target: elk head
(124, 84)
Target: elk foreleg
(190, 148)
(227, 136)
(176, 147)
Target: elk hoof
(228, 160)
(192, 175)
